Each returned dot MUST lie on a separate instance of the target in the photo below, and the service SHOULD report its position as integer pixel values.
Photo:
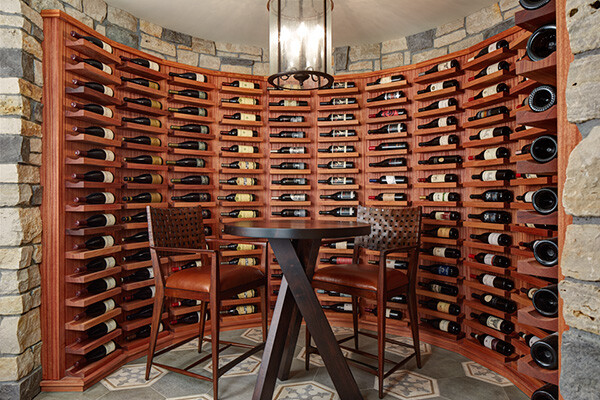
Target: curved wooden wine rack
(60, 331)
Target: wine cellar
(471, 137)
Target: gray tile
(178, 385)
(133, 394)
(93, 393)
(466, 388)
(514, 393)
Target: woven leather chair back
(176, 227)
(390, 228)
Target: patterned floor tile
(132, 376)
(253, 335)
(309, 390)
(479, 372)
(315, 359)
(192, 397)
(247, 367)
(193, 345)
(408, 385)
(406, 351)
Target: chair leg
(202, 325)
(355, 320)
(214, 341)
(307, 352)
(155, 324)
(264, 310)
(414, 327)
(381, 308)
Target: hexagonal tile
(132, 376)
(406, 351)
(315, 359)
(408, 385)
(253, 335)
(247, 367)
(308, 390)
(192, 397)
(193, 345)
(481, 373)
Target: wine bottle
(136, 238)
(94, 40)
(440, 269)
(192, 180)
(343, 85)
(142, 82)
(242, 84)
(142, 255)
(239, 181)
(494, 281)
(388, 113)
(191, 128)
(145, 140)
(491, 259)
(439, 123)
(446, 252)
(192, 197)
(290, 181)
(440, 67)
(97, 154)
(289, 213)
(340, 196)
(545, 352)
(545, 301)
(495, 195)
(146, 197)
(238, 197)
(98, 87)
(389, 313)
(529, 338)
(443, 325)
(96, 309)
(95, 176)
(143, 121)
(340, 212)
(441, 196)
(392, 264)
(499, 346)
(544, 200)
(144, 312)
(142, 294)
(144, 159)
(489, 133)
(491, 154)
(443, 215)
(542, 98)
(443, 140)
(337, 149)
(489, 113)
(534, 5)
(339, 101)
(188, 162)
(290, 165)
(490, 90)
(291, 197)
(548, 391)
(238, 246)
(191, 318)
(492, 47)
(337, 117)
(242, 100)
(248, 294)
(95, 243)
(193, 76)
(143, 332)
(436, 160)
(96, 198)
(191, 264)
(144, 101)
(289, 134)
(290, 150)
(495, 175)
(387, 96)
(388, 146)
(389, 128)
(434, 87)
(97, 131)
(97, 286)
(340, 245)
(99, 330)
(390, 180)
(139, 275)
(240, 214)
(95, 355)
(238, 148)
(287, 118)
(95, 108)
(545, 251)
(243, 117)
(543, 149)
(542, 43)
(143, 62)
(438, 178)
(439, 104)
(97, 220)
(97, 264)
(390, 163)
(190, 111)
(190, 145)
(389, 197)
(441, 306)
(499, 66)
(337, 180)
(491, 321)
(248, 261)
(442, 232)
(198, 94)
(242, 165)
(499, 303)
(94, 63)
(386, 79)
(440, 287)
(337, 165)
(496, 239)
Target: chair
(180, 231)
(392, 231)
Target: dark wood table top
(297, 229)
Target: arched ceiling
(354, 21)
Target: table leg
(316, 322)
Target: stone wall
(445, 39)
(580, 290)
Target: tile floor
(444, 376)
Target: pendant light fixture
(300, 44)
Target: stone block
(17, 173)
(75, 13)
(508, 4)
(449, 38)
(16, 257)
(122, 18)
(579, 367)
(96, 9)
(15, 148)
(101, 29)
(365, 52)
(35, 145)
(582, 185)
(581, 304)
(37, 253)
(203, 46)
(74, 3)
(581, 252)
(420, 41)
(39, 5)
(36, 198)
(17, 281)
(340, 58)
(428, 55)
(238, 69)
(361, 66)
(210, 62)
(261, 69)
(11, 38)
(16, 63)
(37, 33)
(15, 105)
(12, 6)
(583, 84)
(37, 74)
(238, 48)
(501, 27)
(18, 126)
(33, 46)
(35, 159)
(160, 46)
(20, 226)
(392, 60)
(13, 368)
(16, 21)
(465, 43)
(236, 61)
(122, 35)
(484, 19)
(36, 111)
(12, 195)
(187, 57)
(150, 28)
(394, 45)
(20, 304)
(20, 332)
(25, 389)
(583, 19)
(22, 87)
(450, 27)
(510, 13)
(176, 37)
(31, 15)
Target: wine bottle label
(197, 263)
(338, 117)
(486, 133)
(245, 246)
(444, 232)
(340, 101)
(109, 197)
(488, 298)
(439, 251)
(243, 197)
(109, 155)
(152, 291)
(246, 214)
(441, 196)
(384, 80)
(492, 47)
(437, 86)
(444, 66)
(442, 215)
(156, 179)
(488, 280)
(488, 91)
(290, 103)
(444, 324)
(246, 85)
(532, 340)
(153, 66)
(108, 177)
(494, 322)
(297, 150)
(388, 197)
(390, 264)
(108, 241)
(247, 294)
(108, 91)
(444, 307)
(338, 165)
(246, 100)
(339, 149)
(528, 197)
(341, 245)
(111, 325)
(155, 198)
(488, 259)
(389, 179)
(153, 85)
(247, 117)
(107, 69)
(245, 149)
(110, 262)
(247, 165)
(438, 178)
(242, 181)
(488, 176)
(106, 47)
(388, 312)
(442, 122)
(444, 103)
(435, 287)
(200, 78)
(110, 282)
(489, 342)
(297, 197)
(154, 122)
(150, 272)
(155, 104)
(350, 212)
(245, 309)
(244, 132)
(493, 238)
(109, 304)
(340, 180)
(492, 68)
(110, 219)
(108, 133)
(490, 154)
(107, 112)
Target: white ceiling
(354, 21)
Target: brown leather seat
(361, 276)
(198, 279)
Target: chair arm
(409, 249)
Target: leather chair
(392, 231)
(180, 231)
